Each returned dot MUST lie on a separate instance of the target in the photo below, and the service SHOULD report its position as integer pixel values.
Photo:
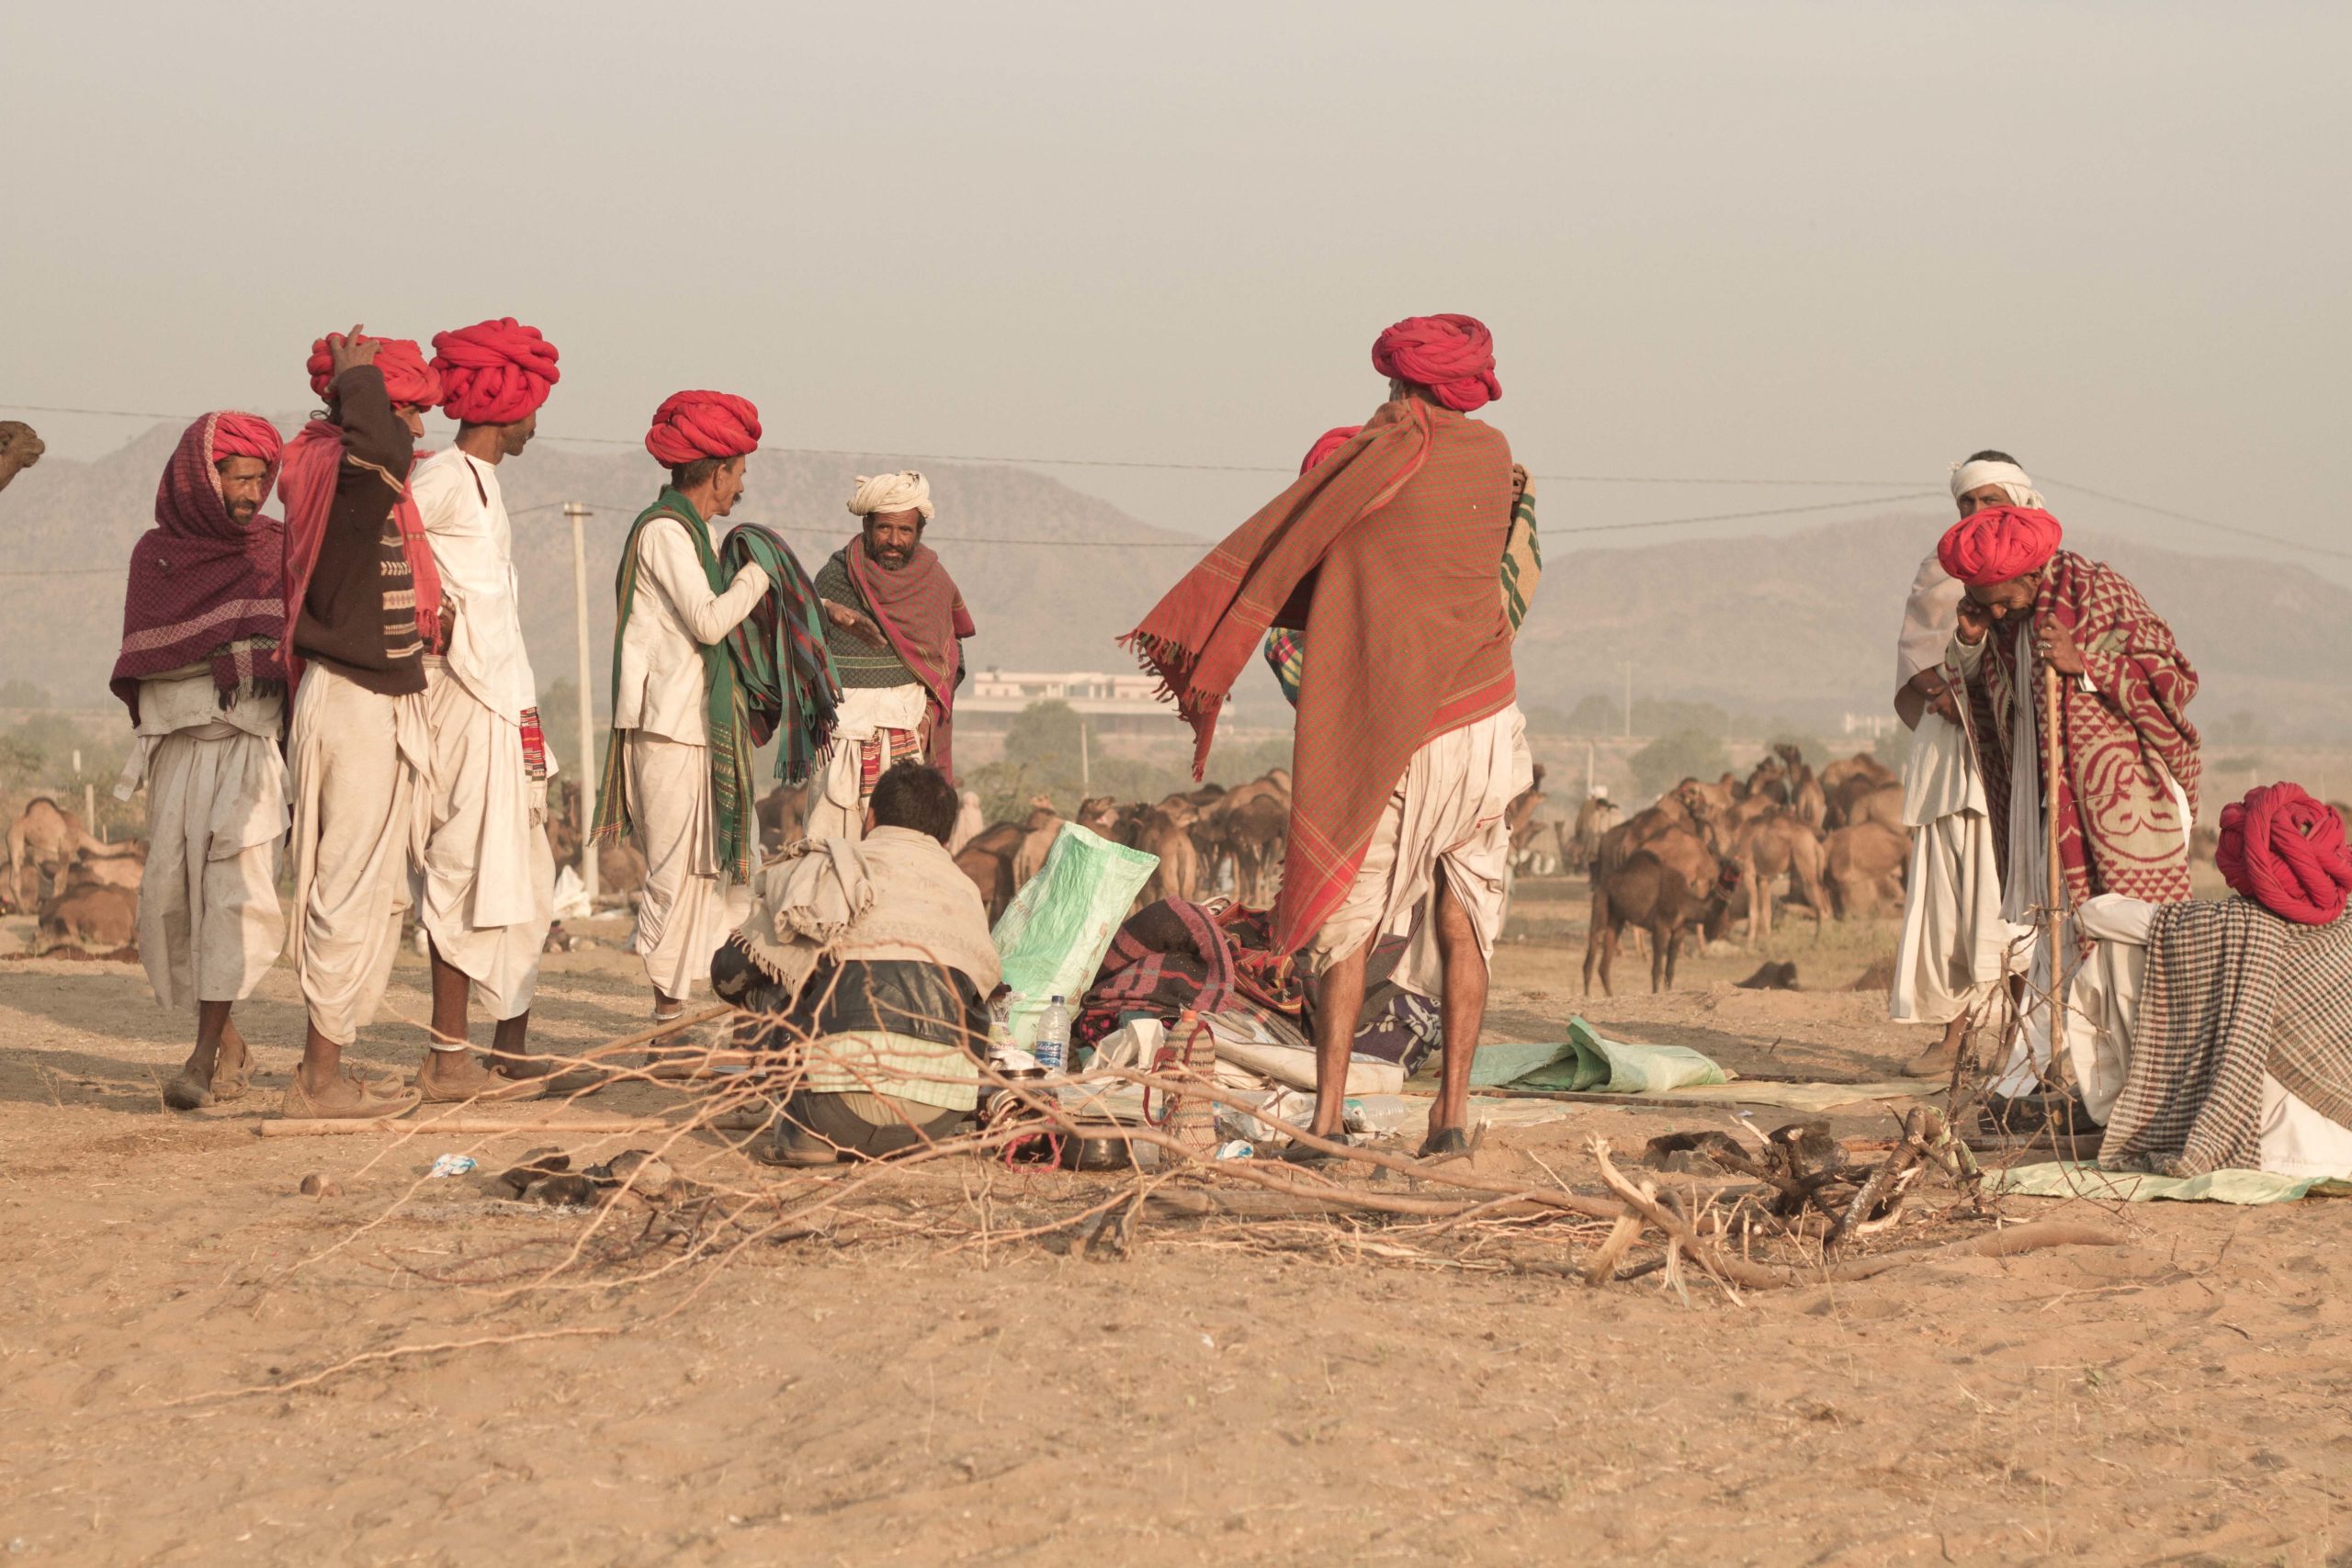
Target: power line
(1085, 462)
(2202, 522)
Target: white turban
(906, 491)
(2014, 481)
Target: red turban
(246, 436)
(1330, 440)
(2285, 851)
(1999, 542)
(702, 424)
(1453, 357)
(407, 378)
(493, 372)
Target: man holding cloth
(362, 601)
(673, 687)
(894, 624)
(2129, 762)
(484, 885)
(1410, 746)
(203, 676)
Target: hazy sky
(1746, 240)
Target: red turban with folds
(702, 424)
(246, 436)
(1330, 440)
(1453, 357)
(1999, 542)
(407, 378)
(493, 372)
(2286, 851)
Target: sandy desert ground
(1243, 1392)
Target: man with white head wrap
(1955, 947)
(894, 624)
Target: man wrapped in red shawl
(201, 671)
(895, 624)
(1409, 744)
(2127, 791)
(362, 604)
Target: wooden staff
(2054, 747)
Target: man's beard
(887, 561)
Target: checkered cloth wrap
(2232, 992)
(1385, 554)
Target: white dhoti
(1955, 945)
(210, 925)
(2103, 1003)
(357, 760)
(688, 907)
(875, 727)
(484, 887)
(1448, 810)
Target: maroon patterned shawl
(2119, 826)
(201, 587)
(921, 611)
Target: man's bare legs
(1339, 1008)
(1461, 1010)
(220, 1057)
(450, 1069)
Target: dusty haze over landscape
(1815, 241)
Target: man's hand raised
(1974, 621)
(345, 350)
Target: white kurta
(1450, 809)
(484, 886)
(209, 924)
(836, 807)
(2102, 1004)
(1955, 945)
(357, 762)
(685, 912)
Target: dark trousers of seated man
(919, 1000)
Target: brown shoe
(1935, 1062)
(480, 1086)
(376, 1099)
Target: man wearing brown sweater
(362, 596)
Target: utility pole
(1085, 764)
(578, 514)
(1629, 699)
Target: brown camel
(1863, 869)
(19, 449)
(45, 837)
(1770, 849)
(1648, 894)
(100, 919)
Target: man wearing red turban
(201, 673)
(362, 599)
(484, 885)
(2129, 765)
(2217, 1034)
(1409, 745)
(1955, 947)
(673, 687)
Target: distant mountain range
(1796, 627)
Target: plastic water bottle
(1052, 1049)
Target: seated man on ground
(2210, 1036)
(873, 956)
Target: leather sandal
(377, 1098)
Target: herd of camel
(1702, 858)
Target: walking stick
(2054, 928)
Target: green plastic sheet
(1054, 934)
(1589, 1062)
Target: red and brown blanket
(2119, 828)
(1384, 554)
